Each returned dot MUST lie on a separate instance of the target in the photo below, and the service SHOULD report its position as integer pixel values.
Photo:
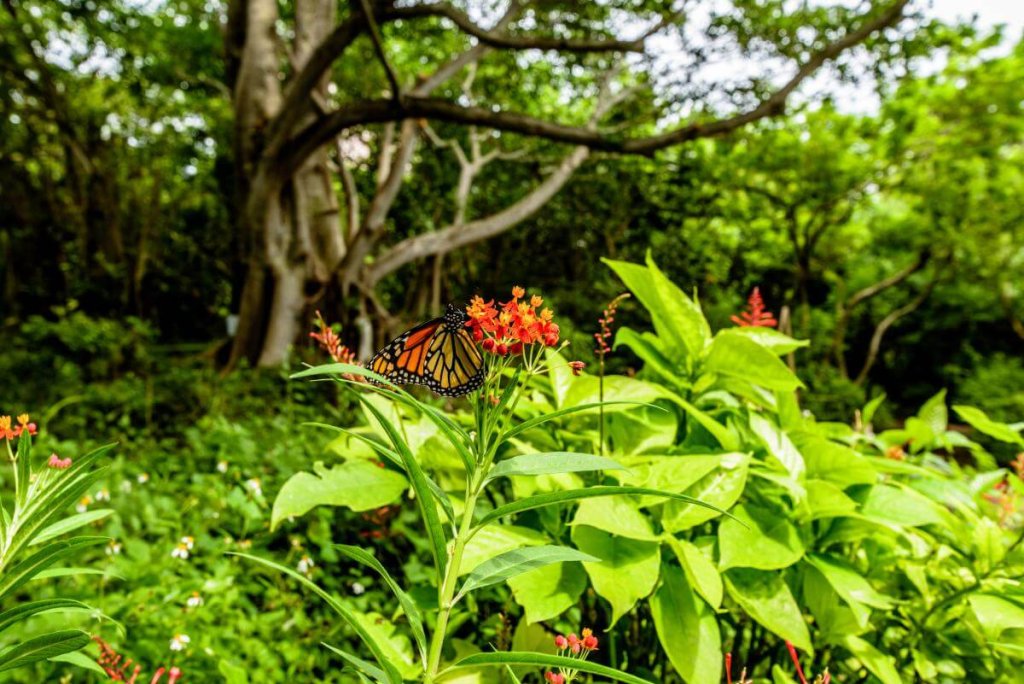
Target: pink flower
(561, 643)
(554, 678)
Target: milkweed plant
(516, 338)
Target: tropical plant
(32, 540)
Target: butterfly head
(454, 316)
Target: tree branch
(378, 46)
(501, 40)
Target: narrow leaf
(497, 659)
(42, 648)
(24, 611)
(552, 463)
(518, 561)
(71, 523)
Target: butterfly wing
(402, 359)
(454, 365)
(440, 354)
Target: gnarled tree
(288, 118)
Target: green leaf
(516, 562)
(540, 660)
(627, 572)
(79, 659)
(552, 463)
(70, 523)
(15, 577)
(517, 430)
(408, 605)
(395, 645)
(700, 571)
(779, 445)
(619, 516)
(739, 357)
(933, 413)
(879, 664)
(43, 647)
(348, 615)
(23, 468)
(369, 669)
(765, 540)
(547, 592)
(850, 585)
(718, 491)
(900, 505)
(687, 629)
(827, 460)
(721, 433)
(647, 347)
(357, 484)
(23, 611)
(985, 425)
(495, 540)
(996, 614)
(769, 338)
(553, 498)
(424, 495)
(767, 599)
(825, 500)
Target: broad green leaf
(43, 647)
(25, 610)
(516, 562)
(985, 425)
(721, 433)
(900, 505)
(687, 629)
(424, 494)
(826, 500)
(766, 540)
(357, 484)
(547, 592)
(347, 614)
(777, 343)
(70, 523)
(827, 460)
(879, 664)
(621, 393)
(766, 598)
(996, 614)
(540, 660)
(933, 413)
(719, 489)
(700, 571)
(619, 516)
(495, 540)
(738, 357)
(553, 498)
(850, 585)
(627, 572)
(643, 430)
(667, 473)
(779, 445)
(408, 605)
(677, 319)
(517, 430)
(648, 349)
(552, 463)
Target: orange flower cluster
(331, 343)
(120, 669)
(512, 327)
(9, 431)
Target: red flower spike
(755, 316)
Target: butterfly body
(439, 354)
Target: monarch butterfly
(440, 354)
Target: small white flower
(222, 466)
(254, 486)
(113, 548)
(358, 589)
(305, 565)
(126, 486)
(143, 478)
(195, 600)
(180, 551)
(83, 504)
(103, 495)
(188, 542)
(179, 642)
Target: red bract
(755, 316)
(331, 343)
(511, 326)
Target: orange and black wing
(454, 365)
(440, 354)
